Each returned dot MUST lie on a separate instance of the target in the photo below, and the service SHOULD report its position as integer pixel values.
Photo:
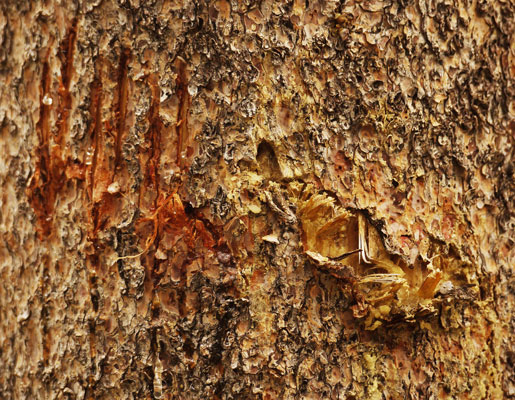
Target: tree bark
(234, 199)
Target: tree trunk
(229, 199)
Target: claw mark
(182, 110)
(49, 174)
(66, 53)
(96, 137)
(47, 177)
(155, 136)
(121, 108)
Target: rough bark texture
(237, 199)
